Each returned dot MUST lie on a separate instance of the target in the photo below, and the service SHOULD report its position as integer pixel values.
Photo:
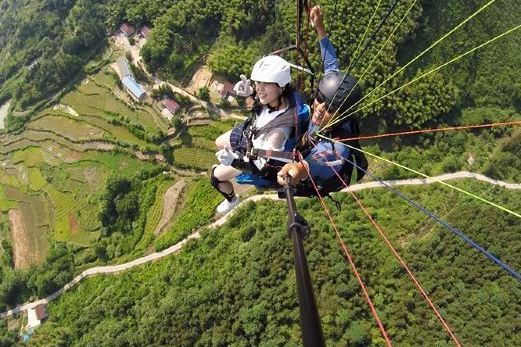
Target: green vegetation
(236, 285)
(154, 214)
(194, 158)
(45, 44)
(197, 211)
(70, 168)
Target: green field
(68, 128)
(194, 158)
(154, 214)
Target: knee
(213, 179)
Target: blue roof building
(135, 90)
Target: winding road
(111, 269)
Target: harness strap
(277, 155)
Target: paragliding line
(351, 261)
(445, 224)
(429, 177)
(402, 262)
(429, 72)
(425, 131)
(375, 57)
(371, 39)
(424, 52)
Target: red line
(404, 265)
(430, 131)
(353, 267)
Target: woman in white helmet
(272, 123)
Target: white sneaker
(226, 206)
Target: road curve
(111, 269)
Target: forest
(236, 286)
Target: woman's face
(268, 93)
(320, 115)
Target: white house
(35, 316)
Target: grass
(118, 132)
(35, 212)
(5, 203)
(104, 78)
(197, 210)
(63, 202)
(70, 129)
(211, 131)
(194, 158)
(36, 180)
(117, 162)
(202, 143)
(154, 214)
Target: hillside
(237, 285)
(85, 172)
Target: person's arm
(274, 141)
(327, 50)
(321, 164)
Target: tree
(204, 93)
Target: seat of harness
(257, 181)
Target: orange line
(404, 265)
(353, 267)
(431, 131)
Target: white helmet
(271, 69)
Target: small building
(133, 88)
(124, 68)
(170, 105)
(224, 89)
(144, 32)
(127, 29)
(35, 316)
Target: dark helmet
(333, 89)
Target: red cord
(353, 267)
(404, 265)
(430, 131)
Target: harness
(295, 117)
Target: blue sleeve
(328, 55)
(325, 157)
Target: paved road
(177, 247)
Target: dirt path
(21, 241)
(169, 205)
(177, 247)
(3, 113)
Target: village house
(124, 68)
(129, 82)
(169, 107)
(144, 33)
(35, 316)
(225, 89)
(127, 29)
(133, 88)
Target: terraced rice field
(154, 214)
(29, 218)
(54, 172)
(195, 158)
(69, 129)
